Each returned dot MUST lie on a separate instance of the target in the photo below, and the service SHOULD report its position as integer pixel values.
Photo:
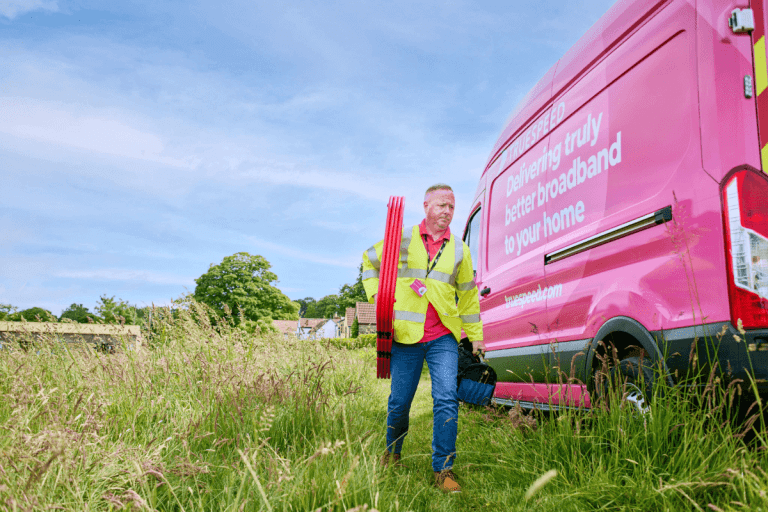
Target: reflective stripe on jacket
(451, 277)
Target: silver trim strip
(470, 319)
(628, 228)
(545, 348)
(410, 316)
(368, 274)
(535, 405)
(405, 242)
(694, 331)
(441, 276)
(465, 287)
(373, 258)
(415, 273)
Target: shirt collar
(423, 231)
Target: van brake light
(745, 199)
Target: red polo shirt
(433, 327)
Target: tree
(244, 283)
(355, 330)
(6, 310)
(330, 305)
(323, 308)
(33, 315)
(259, 327)
(116, 311)
(77, 313)
(349, 295)
(303, 305)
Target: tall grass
(208, 417)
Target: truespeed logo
(538, 295)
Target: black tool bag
(476, 380)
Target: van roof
(614, 26)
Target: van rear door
(761, 77)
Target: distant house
(287, 327)
(349, 317)
(339, 326)
(307, 325)
(366, 317)
(326, 329)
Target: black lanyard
(437, 256)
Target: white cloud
(350, 261)
(61, 124)
(127, 275)
(12, 8)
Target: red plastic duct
(385, 302)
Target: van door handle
(485, 291)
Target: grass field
(211, 418)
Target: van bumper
(691, 352)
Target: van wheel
(631, 383)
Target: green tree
(355, 329)
(77, 313)
(305, 303)
(351, 294)
(331, 305)
(33, 315)
(325, 307)
(117, 311)
(259, 327)
(244, 283)
(6, 310)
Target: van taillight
(745, 200)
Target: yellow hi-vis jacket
(451, 277)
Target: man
(434, 270)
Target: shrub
(32, 315)
(362, 341)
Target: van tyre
(631, 382)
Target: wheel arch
(623, 330)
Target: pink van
(626, 201)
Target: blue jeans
(442, 355)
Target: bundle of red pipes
(385, 302)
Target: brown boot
(391, 458)
(445, 480)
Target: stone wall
(107, 337)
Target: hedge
(362, 341)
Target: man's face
(438, 207)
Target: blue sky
(142, 141)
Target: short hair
(435, 187)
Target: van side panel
(646, 156)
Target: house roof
(349, 316)
(366, 313)
(311, 322)
(286, 326)
(323, 324)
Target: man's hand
(478, 347)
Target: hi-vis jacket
(452, 276)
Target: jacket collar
(423, 231)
